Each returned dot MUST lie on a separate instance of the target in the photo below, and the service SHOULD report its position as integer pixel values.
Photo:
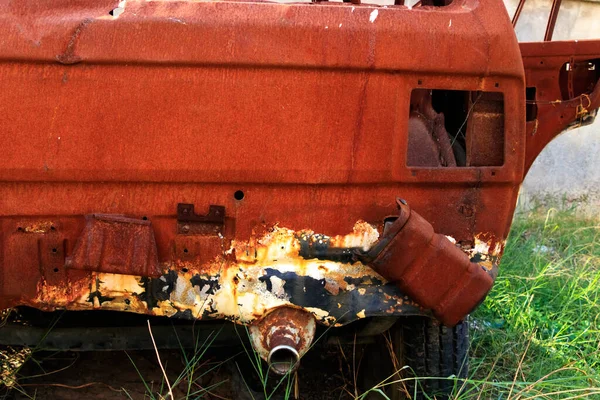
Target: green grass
(537, 335)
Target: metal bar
(552, 20)
(117, 338)
(518, 12)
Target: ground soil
(325, 374)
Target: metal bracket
(190, 223)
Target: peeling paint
(488, 247)
(249, 279)
(38, 227)
(120, 9)
(373, 16)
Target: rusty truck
(285, 166)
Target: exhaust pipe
(282, 337)
(283, 359)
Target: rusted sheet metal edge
(504, 175)
(544, 63)
(274, 34)
(560, 48)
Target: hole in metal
(238, 195)
(530, 103)
(455, 128)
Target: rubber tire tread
(433, 350)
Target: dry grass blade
(519, 367)
(160, 362)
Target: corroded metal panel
(116, 244)
(292, 118)
(566, 78)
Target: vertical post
(552, 20)
(518, 13)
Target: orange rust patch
(37, 227)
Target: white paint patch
(317, 311)
(481, 247)
(340, 25)
(373, 15)
(119, 10)
(450, 24)
(353, 8)
(326, 27)
(277, 287)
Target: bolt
(185, 228)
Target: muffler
(282, 337)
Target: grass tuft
(537, 335)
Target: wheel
(417, 347)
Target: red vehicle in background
(282, 166)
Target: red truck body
(168, 157)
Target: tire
(422, 347)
